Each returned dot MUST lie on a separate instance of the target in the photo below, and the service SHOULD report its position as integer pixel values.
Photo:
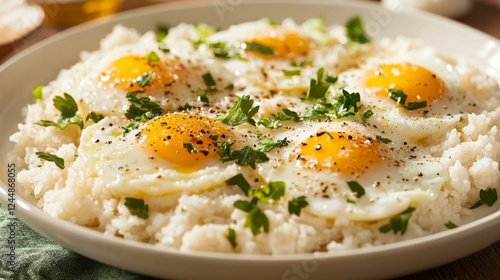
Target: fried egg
(171, 153)
(322, 158)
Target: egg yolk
(417, 83)
(287, 46)
(339, 152)
(135, 73)
(184, 140)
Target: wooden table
(484, 264)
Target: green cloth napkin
(38, 257)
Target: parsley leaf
(415, 105)
(231, 237)
(51, 157)
(302, 63)
(347, 104)
(274, 121)
(241, 112)
(273, 190)
(266, 145)
(37, 92)
(94, 117)
(256, 219)
(153, 57)
(137, 207)
(190, 148)
(245, 156)
(221, 50)
(143, 80)
(147, 110)
(161, 32)
(398, 223)
(289, 73)
(239, 181)
(69, 113)
(210, 83)
(366, 115)
(383, 140)
(296, 204)
(356, 30)
(397, 95)
(450, 225)
(488, 196)
(356, 188)
(258, 47)
(318, 87)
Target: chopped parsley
(210, 83)
(274, 121)
(266, 145)
(143, 80)
(189, 147)
(258, 47)
(37, 92)
(356, 31)
(231, 237)
(246, 156)
(69, 113)
(296, 204)
(318, 87)
(398, 223)
(147, 109)
(153, 57)
(221, 50)
(203, 31)
(256, 219)
(161, 32)
(366, 115)
(356, 188)
(94, 117)
(59, 162)
(450, 225)
(239, 181)
(415, 105)
(488, 197)
(290, 73)
(273, 190)
(397, 95)
(383, 140)
(241, 112)
(137, 207)
(302, 63)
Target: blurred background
(25, 22)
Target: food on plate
(263, 138)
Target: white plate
(40, 64)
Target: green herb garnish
(37, 92)
(450, 225)
(221, 50)
(256, 220)
(189, 147)
(147, 109)
(239, 181)
(415, 105)
(274, 121)
(143, 80)
(94, 117)
(356, 30)
(246, 156)
(137, 207)
(161, 32)
(266, 145)
(366, 115)
(488, 197)
(69, 113)
(397, 95)
(318, 87)
(290, 73)
(258, 47)
(398, 223)
(356, 188)
(242, 112)
(231, 237)
(296, 204)
(153, 57)
(273, 190)
(383, 140)
(51, 157)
